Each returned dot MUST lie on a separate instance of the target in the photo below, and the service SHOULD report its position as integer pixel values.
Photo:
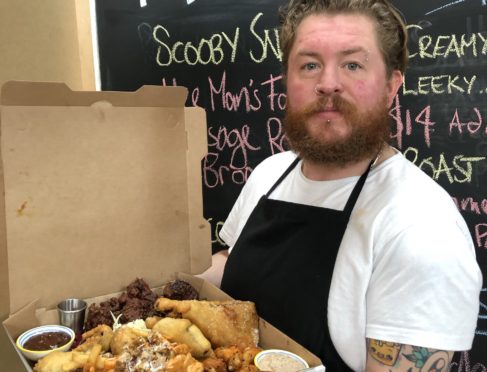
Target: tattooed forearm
(384, 352)
(393, 357)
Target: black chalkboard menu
(227, 54)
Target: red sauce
(47, 341)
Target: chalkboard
(227, 53)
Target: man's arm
(391, 357)
(215, 273)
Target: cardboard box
(101, 188)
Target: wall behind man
(47, 40)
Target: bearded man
(342, 243)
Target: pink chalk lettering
(472, 126)
(233, 101)
(275, 99)
(215, 175)
(396, 114)
(481, 235)
(275, 135)
(464, 365)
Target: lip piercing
(328, 121)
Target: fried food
(213, 364)
(184, 332)
(125, 337)
(156, 353)
(180, 290)
(89, 361)
(184, 363)
(101, 334)
(59, 361)
(224, 323)
(137, 302)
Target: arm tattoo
(426, 360)
(408, 358)
(384, 352)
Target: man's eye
(310, 66)
(352, 66)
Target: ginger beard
(369, 130)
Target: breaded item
(224, 323)
(124, 337)
(213, 364)
(184, 363)
(156, 353)
(101, 334)
(60, 361)
(184, 332)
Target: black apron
(283, 261)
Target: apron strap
(284, 175)
(356, 192)
(353, 196)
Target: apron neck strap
(356, 191)
(284, 175)
(353, 196)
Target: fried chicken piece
(232, 356)
(249, 354)
(184, 363)
(151, 321)
(60, 361)
(126, 336)
(184, 332)
(214, 365)
(224, 323)
(101, 334)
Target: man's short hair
(389, 24)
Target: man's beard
(369, 130)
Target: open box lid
(100, 188)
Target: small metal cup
(72, 314)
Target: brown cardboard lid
(100, 188)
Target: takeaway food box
(101, 188)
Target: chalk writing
(469, 204)
(444, 6)
(482, 313)
(442, 84)
(211, 50)
(458, 169)
(232, 101)
(216, 232)
(235, 140)
(423, 118)
(445, 46)
(464, 365)
(266, 42)
(277, 101)
(275, 135)
(481, 235)
(472, 127)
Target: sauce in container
(47, 341)
(275, 360)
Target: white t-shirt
(406, 270)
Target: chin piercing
(328, 121)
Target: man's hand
(391, 357)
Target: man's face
(337, 91)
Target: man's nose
(329, 82)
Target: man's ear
(394, 84)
